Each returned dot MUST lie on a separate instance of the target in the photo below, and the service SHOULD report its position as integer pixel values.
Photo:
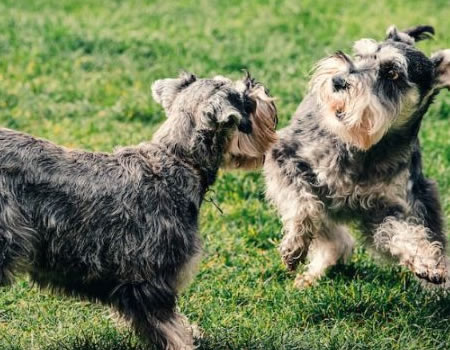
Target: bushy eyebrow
(391, 63)
(366, 47)
(344, 57)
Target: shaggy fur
(351, 153)
(121, 228)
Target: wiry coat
(122, 227)
(351, 153)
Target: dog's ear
(164, 91)
(420, 33)
(411, 35)
(441, 61)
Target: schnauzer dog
(121, 228)
(351, 152)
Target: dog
(351, 154)
(121, 228)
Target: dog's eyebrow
(340, 54)
(217, 86)
(364, 70)
(390, 63)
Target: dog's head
(381, 86)
(241, 110)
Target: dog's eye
(249, 106)
(392, 74)
(229, 123)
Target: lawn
(78, 73)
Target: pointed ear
(441, 61)
(420, 33)
(411, 35)
(164, 91)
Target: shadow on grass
(226, 340)
(223, 340)
(103, 341)
(360, 292)
(354, 294)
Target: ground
(79, 73)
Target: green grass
(78, 73)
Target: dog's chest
(343, 182)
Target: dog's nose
(339, 83)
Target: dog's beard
(353, 114)
(247, 150)
(359, 120)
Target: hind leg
(151, 309)
(17, 238)
(5, 258)
(16, 251)
(333, 243)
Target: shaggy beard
(246, 151)
(355, 115)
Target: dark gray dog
(351, 153)
(121, 228)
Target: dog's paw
(430, 270)
(196, 331)
(292, 257)
(304, 281)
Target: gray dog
(121, 228)
(351, 153)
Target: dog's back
(85, 215)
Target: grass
(78, 73)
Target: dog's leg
(178, 332)
(295, 244)
(151, 309)
(17, 240)
(425, 205)
(414, 246)
(5, 243)
(171, 333)
(333, 243)
(301, 213)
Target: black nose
(339, 83)
(245, 126)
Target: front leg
(295, 243)
(414, 245)
(298, 206)
(302, 215)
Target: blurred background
(78, 72)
